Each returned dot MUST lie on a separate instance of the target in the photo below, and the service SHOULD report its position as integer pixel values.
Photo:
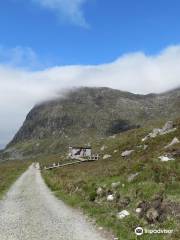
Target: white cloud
(67, 10)
(135, 72)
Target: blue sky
(47, 46)
(111, 28)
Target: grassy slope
(9, 172)
(77, 184)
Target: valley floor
(29, 211)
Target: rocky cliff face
(95, 111)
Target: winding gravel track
(29, 211)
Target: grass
(9, 172)
(77, 184)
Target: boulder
(144, 146)
(115, 184)
(168, 126)
(110, 198)
(138, 210)
(124, 202)
(99, 191)
(132, 177)
(122, 214)
(127, 153)
(166, 158)
(155, 133)
(103, 148)
(173, 142)
(176, 153)
(152, 215)
(106, 156)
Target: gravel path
(30, 211)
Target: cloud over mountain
(135, 72)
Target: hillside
(89, 113)
(145, 183)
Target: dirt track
(30, 211)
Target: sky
(47, 46)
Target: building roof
(79, 147)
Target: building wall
(79, 152)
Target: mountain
(85, 113)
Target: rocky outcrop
(99, 111)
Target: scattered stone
(152, 215)
(122, 214)
(115, 151)
(99, 191)
(110, 198)
(138, 210)
(155, 210)
(103, 148)
(124, 202)
(145, 138)
(169, 131)
(155, 133)
(115, 184)
(168, 128)
(127, 153)
(123, 185)
(166, 158)
(175, 153)
(144, 205)
(132, 177)
(145, 147)
(106, 156)
(173, 142)
(113, 136)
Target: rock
(115, 151)
(173, 142)
(127, 153)
(99, 191)
(125, 202)
(144, 205)
(152, 215)
(103, 148)
(113, 136)
(138, 210)
(168, 126)
(110, 198)
(168, 131)
(132, 177)
(165, 158)
(176, 153)
(155, 133)
(157, 202)
(145, 147)
(115, 184)
(106, 156)
(122, 214)
(145, 138)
